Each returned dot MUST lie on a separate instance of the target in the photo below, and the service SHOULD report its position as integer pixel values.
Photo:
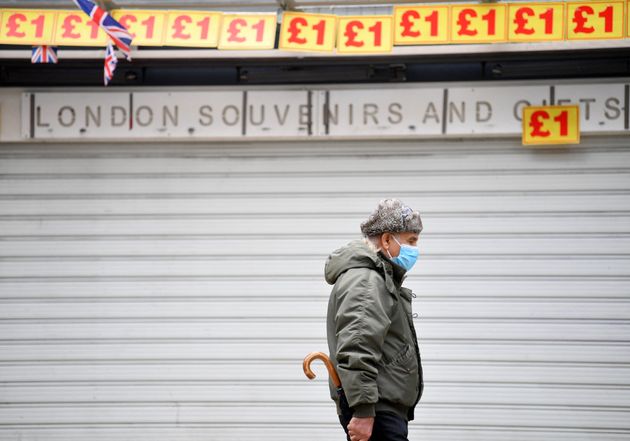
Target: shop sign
(551, 125)
(241, 31)
(146, 27)
(336, 112)
(536, 22)
(365, 34)
(308, 32)
(74, 28)
(424, 24)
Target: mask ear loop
(388, 253)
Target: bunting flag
(110, 63)
(117, 32)
(44, 54)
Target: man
(371, 337)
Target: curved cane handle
(306, 365)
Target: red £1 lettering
(295, 28)
(260, 30)
(563, 119)
(548, 17)
(68, 26)
(491, 18)
(235, 28)
(126, 20)
(522, 19)
(432, 19)
(537, 125)
(407, 23)
(464, 22)
(205, 27)
(607, 15)
(580, 20)
(95, 28)
(149, 24)
(13, 24)
(320, 28)
(179, 26)
(39, 26)
(351, 35)
(377, 30)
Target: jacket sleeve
(361, 323)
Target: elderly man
(371, 337)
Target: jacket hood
(356, 254)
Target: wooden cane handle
(329, 366)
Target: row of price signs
(409, 25)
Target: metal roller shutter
(169, 292)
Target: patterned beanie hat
(392, 216)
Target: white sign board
(381, 112)
(384, 111)
(491, 110)
(601, 108)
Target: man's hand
(360, 429)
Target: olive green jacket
(371, 338)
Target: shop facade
(162, 250)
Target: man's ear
(385, 240)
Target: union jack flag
(117, 32)
(44, 54)
(110, 63)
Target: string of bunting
(99, 20)
(361, 34)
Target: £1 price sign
(27, 27)
(241, 31)
(145, 26)
(536, 21)
(595, 20)
(193, 28)
(478, 23)
(365, 34)
(421, 24)
(308, 32)
(551, 125)
(74, 28)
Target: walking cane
(329, 366)
(343, 401)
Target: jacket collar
(394, 274)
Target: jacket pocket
(398, 380)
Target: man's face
(403, 238)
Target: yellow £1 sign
(308, 32)
(145, 26)
(365, 34)
(478, 23)
(193, 28)
(74, 28)
(242, 31)
(421, 24)
(595, 20)
(536, 21)
(27, 26)
(546, 125)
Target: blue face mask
(407, 257)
